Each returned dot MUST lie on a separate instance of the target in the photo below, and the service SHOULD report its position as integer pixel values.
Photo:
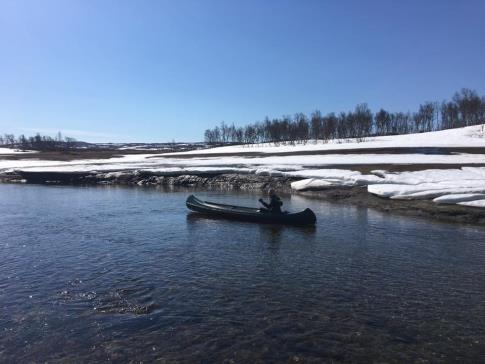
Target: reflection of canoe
(306, 217)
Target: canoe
(305, 217)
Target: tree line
(38, 142)
(466, 108)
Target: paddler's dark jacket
(274, 204)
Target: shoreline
(353, 195)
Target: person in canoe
(274, 204)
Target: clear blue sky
(139, 70)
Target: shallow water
(120, 274)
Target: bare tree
(465, 108)
(316, 128)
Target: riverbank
(437, 174)
(355, 195)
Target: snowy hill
(468, 137)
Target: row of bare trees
(37, 142)
(465, 108)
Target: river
(128, 274)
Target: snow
(457, 198)
(8, 151)
(315, 170)
(453, 186)
(175, 171)
(311, 184)
(477, 203)
(443, 186)
(471, 136)
(267, 164)
(268, 172)
(143, 148)
(316, 178)
(464, 185)
(275, 163)
(339, 174)
(433, 193)
(430, 184)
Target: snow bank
(311, 184)
(477, 203)
(334, 177)
(434, 193)
(464, 186)
(268, 172)
(422, 191)
(457, 198)
(443, 186)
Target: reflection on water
(271, 233)
(114, 274)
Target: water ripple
(113, 274)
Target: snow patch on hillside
(7, 151)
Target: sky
(157, 71)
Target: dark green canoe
(306, 217)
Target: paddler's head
(271, 192)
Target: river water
(128, 274)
